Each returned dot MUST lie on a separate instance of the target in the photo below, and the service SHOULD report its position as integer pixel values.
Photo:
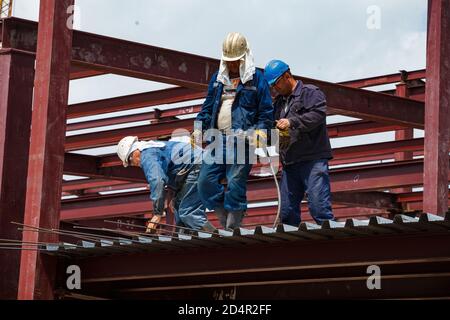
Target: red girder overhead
(386, 79)
(80, 73)
(45, 170)
(112, 137)
(154, 116)
(148, 99)
(192, 71)
(156, 98)
(88, 166)
(437, 139)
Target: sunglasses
(276, 83)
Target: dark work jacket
(307, 112)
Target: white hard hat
(124, 149)
(235, 47)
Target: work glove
(284, 138)
(259, 139)
(152, 225)
(196, 138)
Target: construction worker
(169, 166)
(305, 149)
(238, 100)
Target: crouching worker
(169, 166)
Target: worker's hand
(153, 224)
(283, 124)
(196, 138)
(169, 206)
(284, 138)
(259, 139)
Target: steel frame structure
(31, 170)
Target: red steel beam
(437, 122)
(417, 206)
(375, 200)
(378, 149)
(88, 166)
(412, 197)
(80, 165)
(165, 129)
(125, 57)
(345, 155)
(81, 73)
(112, 137)
(80, 185)
(45, 170)
(104, 105)
(405, 134)
(359, 179)
(134, 204)
(191, 71)
(385, 79)
(151, 117)
(16, 76)
(415, 92)
(135, 101)
(360, 127)
(370, 105)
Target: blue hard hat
(274, 70)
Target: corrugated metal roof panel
(352, 228)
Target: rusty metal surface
(329, 262)
(437, 138)
(46, 158)
(130, 240)
(16, 73)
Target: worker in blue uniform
(169, 165)
(238, 100)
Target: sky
(322, 39)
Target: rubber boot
(234, 220)
(221, 214)
(208, 227)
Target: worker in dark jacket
(305, 149)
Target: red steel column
(437, 108)
(16, 96)
(406, 134)
(45, 169)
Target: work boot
(234, 220)
(185, 232)
(221, 214)
(208, 227)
